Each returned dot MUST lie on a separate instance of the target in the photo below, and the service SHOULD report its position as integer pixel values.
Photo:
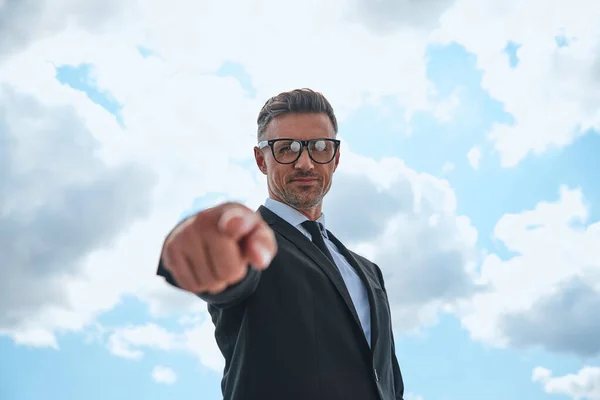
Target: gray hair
(295, 101)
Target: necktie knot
(313, 227)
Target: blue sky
(81, 369)
(443, 361)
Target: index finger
(238, 222)
(260, 246)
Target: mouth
(304, 180)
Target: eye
(320, 145)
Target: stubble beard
(303, 197)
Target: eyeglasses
(288, 151)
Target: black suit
(291, 332)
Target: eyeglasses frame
(303, 144)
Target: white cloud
(391, 15)
(195, 339)
(553, 93)
(445, 110)
(474, 157)
(126, 342)
(97, 279)
(200, 341)
(584, 385)
(162, 374)
(24, 21)
(553, 275)
(426, 251)
(447, 168)
(184, 127)
(180, 121)
(57, 206)
(131, 78)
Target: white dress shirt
(354, 284)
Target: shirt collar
(291, 215)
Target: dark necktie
(317, 237)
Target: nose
(304, 162)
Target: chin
(301, 200)
(309, 202)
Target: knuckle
(170, 248)
(219, 273)
(168, 260)
(237, 275)
(186, 285)
(196, 287)
(216, 288)
(187, 235)
(183, 227)
(200, 220)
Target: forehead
(300, 126)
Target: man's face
(302, 184)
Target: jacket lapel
(305, 245)
(361, 273)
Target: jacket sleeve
(398, 381)
(231, 296)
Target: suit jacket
(291, 332)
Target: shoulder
(369, 264)
(364, 260)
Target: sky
(469, 173)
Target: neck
(311, 213)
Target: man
(297, 315)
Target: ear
(259, 157)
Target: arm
(398, 381)
(229, 297)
